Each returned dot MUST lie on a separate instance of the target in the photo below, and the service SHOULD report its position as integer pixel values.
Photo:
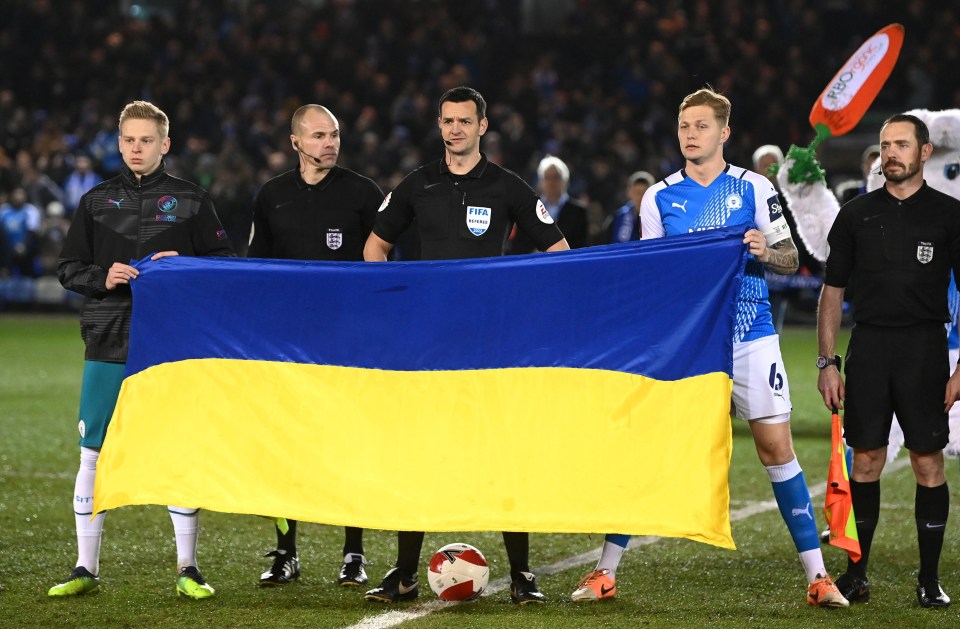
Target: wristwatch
(823, 361)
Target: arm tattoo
(784, 257)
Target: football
(458, 572)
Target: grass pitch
(668, 583)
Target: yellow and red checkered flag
(838, 505)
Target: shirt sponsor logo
(543, 214)
(165, 218)
(167, 203)
(334, 239)
(924, 252)
(478, 219)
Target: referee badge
(334, 239)
(478, 219)
(924, 251)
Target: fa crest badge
(924, 252)
(334, 239)
(478, 220)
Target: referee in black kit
(465, 207)
(318, 211)
(895, 248)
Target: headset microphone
(300, 150)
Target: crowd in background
(594, 82)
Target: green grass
(673, 583)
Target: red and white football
(458, 572)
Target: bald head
(309, 111)
(315, 135)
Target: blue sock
(793, 498)
(619, 540)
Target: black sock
(866, 508)
(931, 508)
(518, 552)
(352, 540)
(288, 541)
(409, 544)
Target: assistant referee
(895, 248)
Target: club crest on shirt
(334, 239)
(478, 219)
(543, 214)
(924, 251)
(733, 201)
(167, 204)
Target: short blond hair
(719, 103)
(143, 110)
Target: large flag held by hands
(582, 391)
(838, 505)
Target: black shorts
(896, 370)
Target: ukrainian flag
(581, 392)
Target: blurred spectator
(626, 222)
(53, 229)
(105, 146)
(233, 190)
(786, 289)
(595, 82)
(39, 187)
(553, 177)
(854, 188)
(20, 221)
(78, 182)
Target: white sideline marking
(396, 617)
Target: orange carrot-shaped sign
(850, 93)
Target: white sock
(89, 531)
(812, 561)
(186, 528)
(610, 558)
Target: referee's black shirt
(465, 216)
(331, 220)
(896, 256)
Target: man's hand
(830, 384)
(120, 273)
(953, 391)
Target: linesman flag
(838, 505)
(458, 395)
